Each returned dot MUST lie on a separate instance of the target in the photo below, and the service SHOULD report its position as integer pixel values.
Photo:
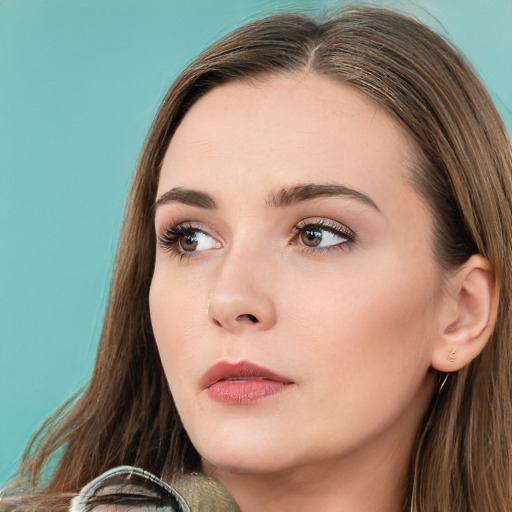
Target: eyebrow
(186, 196)
(281, 199)
(290, 196)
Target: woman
(311, 298)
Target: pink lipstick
(242, 383)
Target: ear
(468, 315)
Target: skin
(352, 323)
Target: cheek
(363, 348)
(175, 311)
(381, 319)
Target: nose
(243, 295)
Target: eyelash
(169, 240)
(331, 227)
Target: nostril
(248, 317)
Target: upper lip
(225, 370)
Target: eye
(323, 235)
(186, 240)
(196, 241)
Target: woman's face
(295, 295)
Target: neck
(374, 482)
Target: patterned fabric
(127, 488)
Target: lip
(242, 383)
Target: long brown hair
(463, 454)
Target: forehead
(283, 131)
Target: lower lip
(243, 392)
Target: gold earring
(442, 382)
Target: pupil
(188, 242)
(311, 238)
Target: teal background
(79, 84)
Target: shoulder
(131, 488)
(204, 493)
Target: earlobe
(469, 316)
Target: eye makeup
(316, 235)
(322, 235)
(186, 239)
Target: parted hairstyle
(462, 457)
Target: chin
(246, 463)
(242, 452)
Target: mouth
(242, 383)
